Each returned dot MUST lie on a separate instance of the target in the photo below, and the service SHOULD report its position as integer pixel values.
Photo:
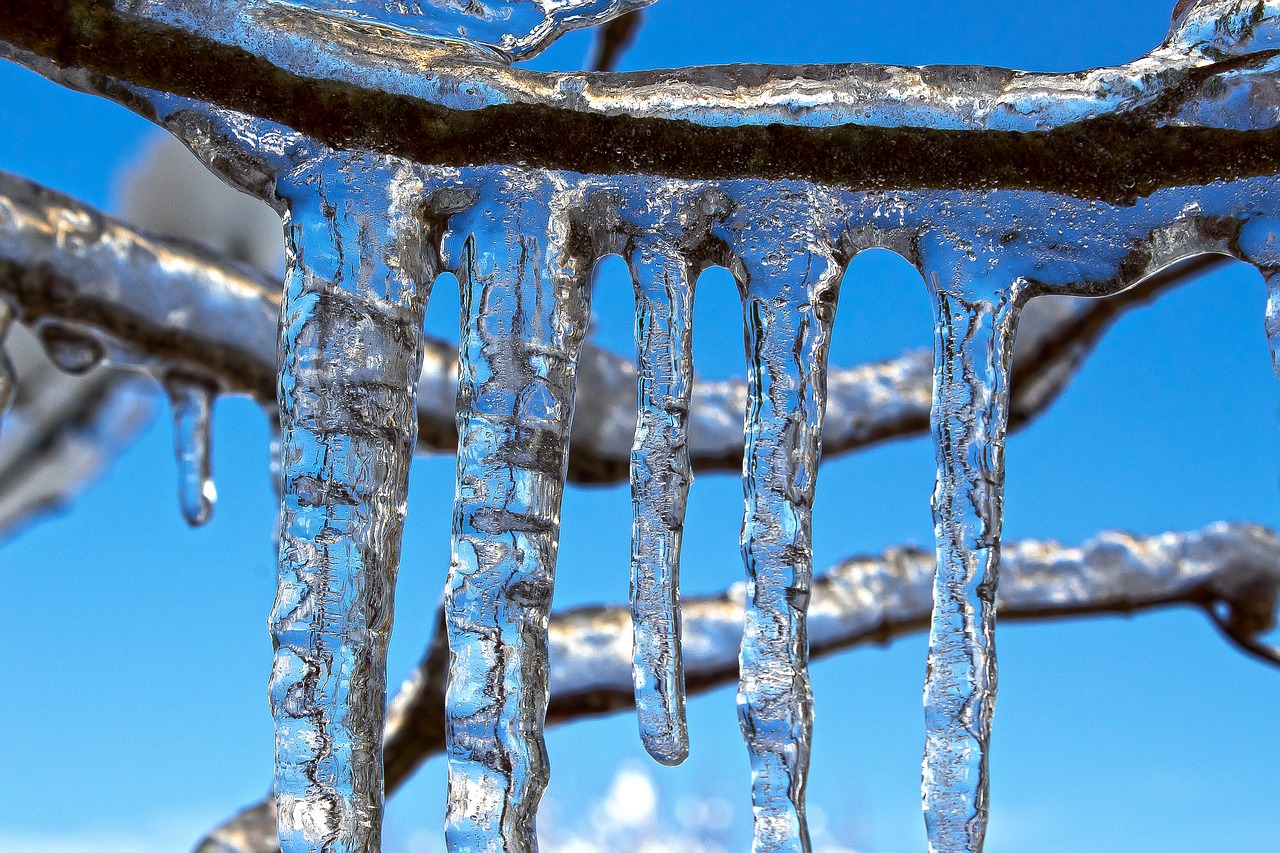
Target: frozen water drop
(72, 351)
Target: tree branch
(61, 431)
(160, 304)
(1231, 571)
(1113, 134)
(613, 39)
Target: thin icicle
(1273, 318)
(525, 304)
(973, 350)
(660, 478)
(192, 402)
(350, 352)
(789, 306)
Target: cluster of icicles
(367, 235)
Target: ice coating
(323, 46)
(359, 271)
(500, 31)
(517, 29)
(74, 352)
(525, 304)
(192, 402)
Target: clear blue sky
(134, 711)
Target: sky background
(136, 655)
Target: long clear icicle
(192, 402)
(350, 352)
(525, 303)
(973, 349)
(660, 479)
(789, 305)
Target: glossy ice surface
(998, 186)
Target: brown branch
(1231, 571)
(997, 129)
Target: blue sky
(137, 656)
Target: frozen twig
(1231, 571)
(613, 39)
(351, 84)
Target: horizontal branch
(61, 431)
(1113, 134)
(1232, 571)
(159, 304)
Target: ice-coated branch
(163, 304)
(1231, 571)
(1111, 134)
(61, 431)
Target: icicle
(273, 450)
(660, 478)
(789, 306)
(350, 352)
(524, 311)
(973, 350)
(1273, 318)
(192, 403)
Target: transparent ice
(192, 404)
(367, 231)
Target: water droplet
(73, 352)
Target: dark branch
(613, 39)
(612, 124)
